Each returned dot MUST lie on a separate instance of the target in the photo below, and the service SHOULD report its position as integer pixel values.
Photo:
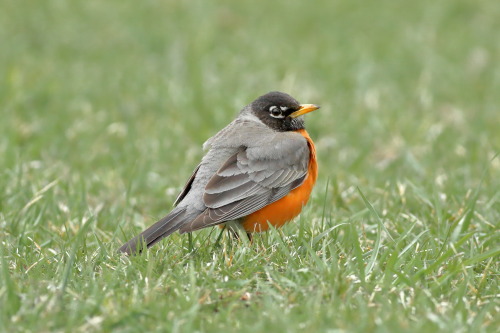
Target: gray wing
(251, 179)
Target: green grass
(104, 106)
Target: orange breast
(285, 209)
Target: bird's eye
(276, 112)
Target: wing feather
(187, 187)
(249, 181)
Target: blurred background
(115, 98)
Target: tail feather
(164, 227)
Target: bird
(257, 171)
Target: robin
(258, 171)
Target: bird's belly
(279, 212)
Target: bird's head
(280, 111)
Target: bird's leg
(235, 228)
(234, 234)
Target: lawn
(104, 106)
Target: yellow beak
(304, 108)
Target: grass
(104, 107)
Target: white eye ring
(275, 112)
